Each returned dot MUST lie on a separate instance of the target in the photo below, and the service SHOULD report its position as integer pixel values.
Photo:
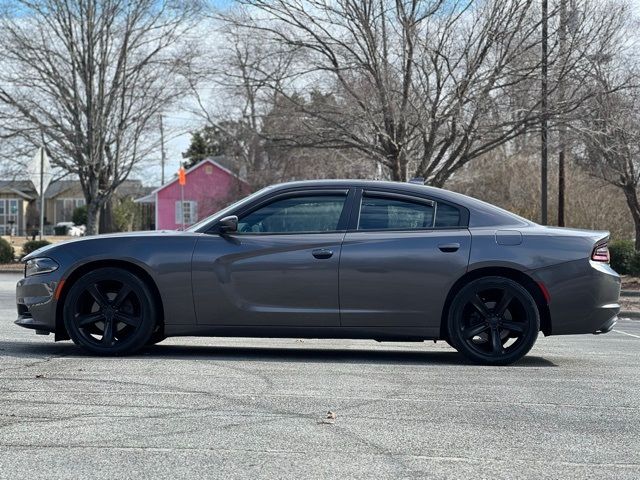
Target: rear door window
(379, 212)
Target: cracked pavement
(254, 408)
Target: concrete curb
(629, 314)
(630, 293)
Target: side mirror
(228, 224)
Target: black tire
(110, 311)
(156, 337)
(493, 321)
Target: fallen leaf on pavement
(330, 418)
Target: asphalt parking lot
(250, 408)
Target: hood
(104, 237)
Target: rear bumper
(607, 326)
(584, 296)
(35, 299)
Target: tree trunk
(106, 223)
(631, 195)
(399, 168)
(93, 217)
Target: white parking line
(625, 333)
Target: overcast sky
(177, 142)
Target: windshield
(225, 211)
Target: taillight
(601, 253)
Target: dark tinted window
(447, 216)
(319, 213)
(379, 213)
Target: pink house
(210, 186)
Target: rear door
(279, 269)
(400, 259)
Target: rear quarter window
(447, 216)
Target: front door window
(301, 214)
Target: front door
(400, 262)
(279, 269)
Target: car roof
(481, 213)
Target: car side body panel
(267, 280)
(389, 285)
(407, 284)
(164, 256)
(583, 294)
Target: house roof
(22, 188)
(128, 188)
(22, 185)
(26, 190)
(133, 188)
(56, 188)
(218, 161)
(150, 198)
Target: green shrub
(33, 245)
(622, 254)
(80, 215)
(124, 215)
(635, 265)
(6, 251)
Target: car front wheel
(493, 320)
(109, 311)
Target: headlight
(39, 265)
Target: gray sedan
(330, 259)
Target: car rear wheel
(493, 320)
(109, 311)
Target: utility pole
(41, 192)
(544, 121)
(163, 154)
(562, 129)
(182, 180)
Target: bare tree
(244, 68)
(593, 204)
(610, 132)
(419, 86)
(87, 80)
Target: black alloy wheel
(493, 320)
(110, 311)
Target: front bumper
(35, 299)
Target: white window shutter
(178, 212)
(194, 212)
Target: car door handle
(322, 253)
(449, 247)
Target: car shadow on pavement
(268, 354)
